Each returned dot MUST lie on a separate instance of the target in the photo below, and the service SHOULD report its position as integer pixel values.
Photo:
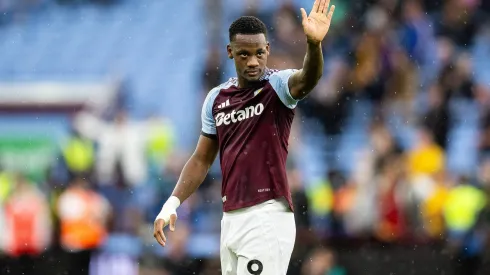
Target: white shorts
(257, 240)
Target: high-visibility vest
(462, 207)
(79, 154)
(160, 142)
(28, 224)
(6, 182)
(321, 198)
(82, 215)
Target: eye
(259, 54)
(243, 54)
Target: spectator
(481, 64)
(122, 142)
(372, 65)
(287, 33)
(390, 183)
(329, 103)
(6, 183)
(432, 208)
(213, 70)
(380, 147)
(26, 234)
(78, 154)
(344, 203)
(321, 199)
(459, 21)
(417, 39)
(426, 158)
(437, 117)
(83, 215)
(161, 141)
(304, 237)
(462, 212)
(322, 262)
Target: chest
(236, 108)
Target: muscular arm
(315, 26)
(196, 168)
(302, 82)
(193, 174)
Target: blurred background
(100, 105)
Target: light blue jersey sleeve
(279, 82)
(207, 119)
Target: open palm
(316, 24)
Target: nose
(253, 62)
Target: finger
(327, 7)
(173, 220)
(159, 238)
(330, 13)
(161, 235)
(303, 15)
(315, 6)
(323, 6)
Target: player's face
(250, 53)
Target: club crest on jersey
(236, 116)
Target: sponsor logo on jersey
(237, 116)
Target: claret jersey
(252, 126)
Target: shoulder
(273, 75)
(225, 85)
(213, 93)
(278, 80)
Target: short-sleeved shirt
(252, 126)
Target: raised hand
(317, 23)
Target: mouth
(252, 73)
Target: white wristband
(169, 208)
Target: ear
(229, 51)
(268, 48)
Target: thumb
(173, 220)
(303, 16)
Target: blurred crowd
(408, 60)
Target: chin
(253, 78)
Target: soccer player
(248, 120)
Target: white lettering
(226, 120)
(219, 119)
(240, 115)
(259, 109)
(250, 111)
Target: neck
(243, 83)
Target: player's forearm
(303, 82)
(312, 66)
(193, 174)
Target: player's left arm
(315, 26)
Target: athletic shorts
(257, 240)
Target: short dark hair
(247, 25)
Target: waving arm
(315, 26)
